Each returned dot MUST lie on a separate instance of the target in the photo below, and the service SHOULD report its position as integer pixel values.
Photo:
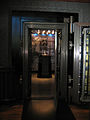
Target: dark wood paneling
(9, 83)
(3, 40)
(81, 112)
(11, 112)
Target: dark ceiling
(82, 1)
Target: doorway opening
(43, 63)
(45, 54)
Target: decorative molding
(44, 25)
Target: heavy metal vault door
(81, 71)
(59, 41)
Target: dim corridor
(41, 105)
(45, 110)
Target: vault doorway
(45, 60)
(43, 63)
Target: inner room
(43, 63)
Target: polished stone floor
(39, 110)
(46, 110)
(15, 112)
(41, 105)
(42, 87)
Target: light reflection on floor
(39, 110)
(35, 79)
(43, 106)
(42, 87)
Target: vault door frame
(78, 80)
(61, 85)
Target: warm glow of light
(86, 73)
(49, 31)
(43, 106)
(38, 32)
(87, 48)
(86, 57)
(43, 32)
(87, 41)
(52, 31)
(45, 80)
(86, 64)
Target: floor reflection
(39, 110)
(42, 87)
(43, 107)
